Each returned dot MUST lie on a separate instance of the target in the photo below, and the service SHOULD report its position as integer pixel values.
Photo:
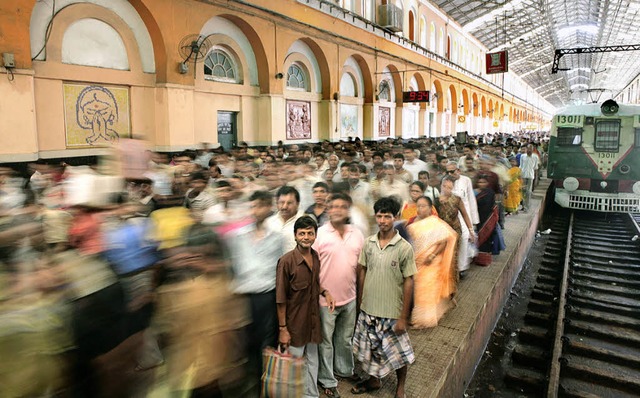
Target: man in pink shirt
(338, 244)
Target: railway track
(582, 327)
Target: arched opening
(448, 50)
(475, 105)
(412, 26)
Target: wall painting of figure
(298, 120)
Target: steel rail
(554, 372)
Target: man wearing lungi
(385, 287)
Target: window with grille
(219, 66)
(296, 78)
(607, 136)
(569, 136)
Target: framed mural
(384, 121)
(348, 120)
(298, 120)
(94, 115)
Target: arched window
(348, 86)
(296, 78)
(432, 38)
(219, 66)
(384, 91)
(412, 26)
(423, 32)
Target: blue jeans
(336, 349)
(310, 354)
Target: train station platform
(446, 356)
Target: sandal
(331, 392)
(363, 387)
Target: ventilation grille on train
(604, 204)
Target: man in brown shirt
(298, 292)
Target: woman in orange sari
(514, 194)
(434, 243)
(410, 209)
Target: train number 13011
(607, 155)
(569, 120)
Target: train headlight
(625, 169)
(636, 188)
(609, 107)
(571, 184)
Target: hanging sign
(497, 62)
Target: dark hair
(353, 168)
(440, 158)
(387, 205)
(198, 175)
(264, 197)
(305, 222)
(322, 185)
(423, 172)
(420, 185)
(362, 168)
(379, 154)
(318, 154)
(212, 162)
(449, 178)
(428, 199)
(341, 196)
(223, 184)
(288, 190)
(398, 156)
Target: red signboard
(497, 62)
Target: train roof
(594, 110)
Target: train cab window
(569, 136)
(607, 136)
(637, 140)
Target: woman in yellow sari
(434, 243)
(514, 194)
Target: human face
(423, 208)
(453, 171)
(198, 185)
(424, 179)
(344, 172)
(339, 211)
(469, 164)
(398, 163)
(333, 162)
(225, 193)
(409, 155)
(483, 183)
(385, 221)
(305, 237)
(320, 196)
(319, 161)
(446, 187)
(287, 206)
(377, 160)
(415, 192)
(467, 152)
(443, 162)
(260, 210)
(354, 178)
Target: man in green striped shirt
(385, 287)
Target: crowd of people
(181, 269)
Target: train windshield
(607, 136)
(569, 136)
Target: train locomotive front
(594, 157)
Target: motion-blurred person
(429, 191)
(513, 195)
(401, 172)
(529, 168)
(434, 243)
(255, 250)
(412, 164)
(198, 198)
(338, 245)
(451, 210)
(298, 291)
(319, 209)
(392, 186)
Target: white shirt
(415, 167)
(463, 187)
(528, 165)
(276, 223)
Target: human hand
(400, 326)
(284, 338)
(331, 303)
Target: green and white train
(594, 157)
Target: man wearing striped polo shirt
(385, 287)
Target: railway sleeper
(544, 294)
(531, 356)
(573, 388)
(535, 335)
(606, 288)
(595, 277)
(631, 266)
(525, 380)
(614, 256)
(603, 373)
(603, 318)
(539, 318)
(600, 269)
(613, 334)
(592, 349)
(540, 306)
(605, 306)
(627, 246)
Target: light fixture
(183, 68)
(279, 75)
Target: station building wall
(265, 59)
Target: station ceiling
(531, 31)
